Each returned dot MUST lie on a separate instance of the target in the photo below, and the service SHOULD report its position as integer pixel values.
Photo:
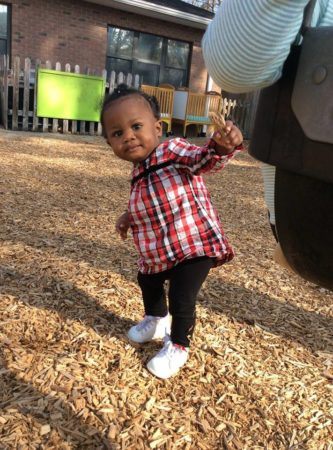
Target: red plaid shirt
(171, 214)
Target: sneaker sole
(159, 376)
(157, 338)
(148, 340)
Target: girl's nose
(129, 135)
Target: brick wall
(76, 32)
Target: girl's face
(131, 128)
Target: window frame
(9, 28)
(163, 61)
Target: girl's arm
(211, 157)
(247, 42)
(122, 225)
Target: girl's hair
(122, 91)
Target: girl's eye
(116, 133)
(137, 126)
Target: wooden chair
(164, 97)
(167, 86)
(192, 108)
(214, 102)
(147, 89)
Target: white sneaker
(169, 360)
(150, 328)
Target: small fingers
(121, 229)
(232, 136)
(123, 235)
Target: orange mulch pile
(260, 373)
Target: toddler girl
(176, 230)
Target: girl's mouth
(134, 148)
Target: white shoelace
(168, 349)
(146, 323)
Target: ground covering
(260, 372)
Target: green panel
(65, 95)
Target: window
(4, 29)
(156, 59)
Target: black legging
(185, 281)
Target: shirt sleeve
(198, 160)
(247, 42)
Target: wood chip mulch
(260, 373)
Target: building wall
(74, 31)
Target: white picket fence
(18, 97)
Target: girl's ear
(158, 126)
(107, 140)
